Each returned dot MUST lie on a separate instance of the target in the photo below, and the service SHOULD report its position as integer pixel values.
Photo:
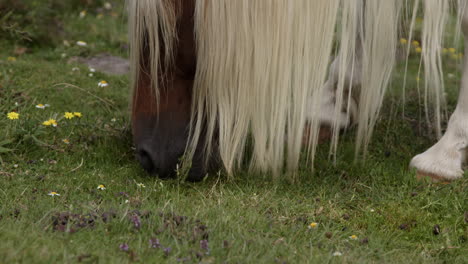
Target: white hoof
(439, 164)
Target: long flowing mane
(262, 66)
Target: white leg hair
(445, 159)
(348, 110)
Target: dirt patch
(105, 63)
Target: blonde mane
(262, 66)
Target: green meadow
(53, 208)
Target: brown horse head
(162, 97)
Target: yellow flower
(68, 115)
(101, 187)
(452, 50)
(77, 114)
(66, 141)
(13, 115)
(403, 41)
(418, 50)
(415, 43)
(353, 237)
(11, 59)
(50, 122)
(313, 225)
(53, 194)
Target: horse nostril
(145, 160)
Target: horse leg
(444, 160)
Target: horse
(215, 79)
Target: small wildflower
(11, 59)
(63, 55)
(66, 43)
(418, 50)
(103, 84)
(126, 201)
(452, 50)
(124, 247)
(313, 225)
(68, 115)
(337, 254)
(42, 106)
(81, 43)
(154, 243)
(15, 166)
(101, 187)
(141, 185)
(90, 74)
(53, 194)
(403, 41)
(113, 120)
(107, 6)
(451, 75)
(167, 251)
(204, 245)
(372, 210)
(66, 141)
(77, 114)
(13, 115)
(82, 13)
(353, 237)
(136, 221)
(415, 43)
(75, 69)
(50, 122)
(92, 70)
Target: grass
(248, 219)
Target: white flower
(90, 74)
(337, 254)
(107, 6)
(81, 43)
(113, 120)
(63, 55)
(53, 194)
(103, 84)
(372, 210)
(42, 106)
(141, 185)
(16, 165)
(101, 187)
(82, 13)
(92, 69)
(75, 69)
